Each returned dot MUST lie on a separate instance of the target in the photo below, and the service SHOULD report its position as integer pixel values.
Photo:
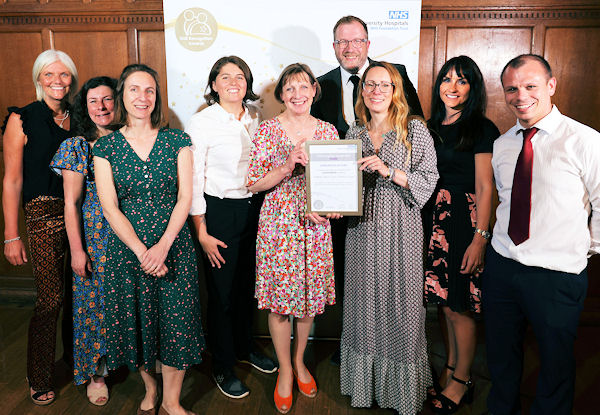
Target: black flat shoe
(448, 405)
(434, 390)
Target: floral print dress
(89, 331)
(294, 257)
(150, 318)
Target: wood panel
(151, 51)
(573, 55)
(426, 69)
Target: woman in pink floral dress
(294, 264)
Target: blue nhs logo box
(398, 14)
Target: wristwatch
(486, 235)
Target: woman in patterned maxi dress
(93, 113)
(383, 347)
(144, 178)
(294, 264)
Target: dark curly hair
(82, 123)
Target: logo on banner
(196, 29)
(398, 14)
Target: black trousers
(231, 301)
(551, 301)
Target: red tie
(520, 197)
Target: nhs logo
(398, 14)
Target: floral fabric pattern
(89, 331)
(294, 257)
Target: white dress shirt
(565, 191)
(347, 90)
(221, 145)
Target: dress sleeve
(422, 175)
(102, 148)
(485, 144)
(262, 152)
(71, 155)
(199, 149)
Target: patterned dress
(383, 347)
(150, 318)
(451, 219)
(294, 258)
(89, 331)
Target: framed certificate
(333, 181)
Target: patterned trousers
(44, 217)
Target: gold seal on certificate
(333, 181)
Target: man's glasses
(384, 87)
(343, 43)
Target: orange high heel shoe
(308, 389)
(282, 404)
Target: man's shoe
(231, 386)
(260, 361)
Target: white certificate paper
(333, 181)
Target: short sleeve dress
(383, 346)
(294, 257)
(89, 331)
(451, 219)
(149, 318)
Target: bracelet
(391, 175)
(7, 241)
(485, 234)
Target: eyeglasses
(384, 87)
(343, 43)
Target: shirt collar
(548, 124)
(226, 116)
(346, 75)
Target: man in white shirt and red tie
(547, 172)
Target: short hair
(350, 19)
(121, 116)
(83, 124)
(46, 58)
(212, 97)
(293, 70)
(522, 60)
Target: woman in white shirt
(225, 216)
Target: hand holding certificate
(333, 181)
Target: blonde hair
(398, 110)
(46, 58)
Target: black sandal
(448, 405)
(36, 395)
(434, 390)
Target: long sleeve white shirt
(565, 196)
(221, 145)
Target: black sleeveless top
(43, 139)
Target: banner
(269, 35)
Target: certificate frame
(352, 148)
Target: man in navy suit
(336, 106)
(351, 46)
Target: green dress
(149, 318)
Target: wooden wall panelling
(426, 67)
(573, 54)
(151, 51)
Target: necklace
(62, 119)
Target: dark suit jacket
(329, 107)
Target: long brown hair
(397, 111)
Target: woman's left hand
(153, 260)
(374, 163)
(316, 218)
(473, 258)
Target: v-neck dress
(149, 318)
(383, 345)
(294, 257)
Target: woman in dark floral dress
(93, 113)
(459, 218)
(144, 179)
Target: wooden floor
(200, 394)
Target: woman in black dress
(32, 135)
(459, 220)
